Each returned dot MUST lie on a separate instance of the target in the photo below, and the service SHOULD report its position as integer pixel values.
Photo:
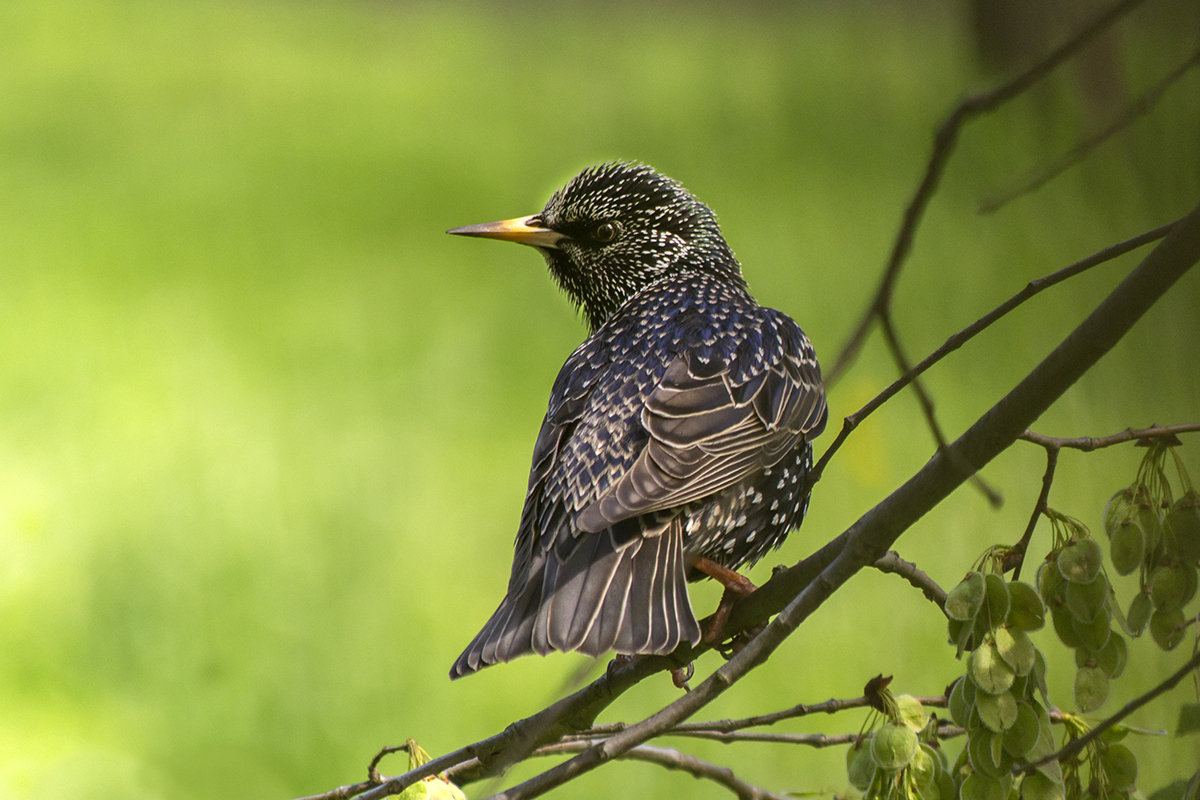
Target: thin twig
(673, 759)
(944, 142)
(1138, 108)
(340, 793)
(956, 341)
(794, 592)
(871, 536)
(1073, 747)
(891, 562)
(1090, 443)
(731, 725)
(815, 740)
(892, 338)
(1015, 559)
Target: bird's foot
(736, 587)
(734, 646)
(618, 661)
(681, 675)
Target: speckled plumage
(681, 427)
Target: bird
(677, 442)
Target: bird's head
(614, 229)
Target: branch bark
(870, 537)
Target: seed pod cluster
(1073, 585)
(900, 759)
(997, 699)
(1158, 539)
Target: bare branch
(815, 740)
(673, 759)
(891, 562)
(1090, 443)
(956, 341)
(795, 590)
(732, 725)
(926, 402)
(943, 147)
(1138, 108)
(870, 537)
(341, 793)
(1073, 747)
(1016, 556)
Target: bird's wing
(708, 431)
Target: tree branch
(1016, 556)
(1090, 443)
(956, 341)
(727, 725)
(870, 537)
(1138, 108)
(1073, 747)
(673, 759)
(926, 402)
(891, 562)
(943, 147)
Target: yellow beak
(517, 230)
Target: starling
(678, 438)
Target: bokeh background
(265, 430)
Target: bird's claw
(681, 675)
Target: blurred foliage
(264, 430)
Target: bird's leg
(681, 675)
(736, 586)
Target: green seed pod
(860, 767)
(960, 709)
(1080, 562)
(985, 751)
(1038, 787)
(1038, 674)
(1172, 587)
(1140, 609)
(1150, 522)
(964, 600)
(1166, 627)
(998, 712)
(893, 746)
(1111, 659)
(441, 789)
(945, 786)
(1050, 584)
(1183, 524)
(1120, 767)
(1094, 635)
(1115, 733)
(988, 670)
(1026, 611)
(910, 712)
(1091, 689)
(1015, 647)
(1022, 735)
(980, 787)
(1127, 548)
(962, 636)
(995, 603)
(1118, 510)
(1086, 600)
(924, 769)
(1064, 626)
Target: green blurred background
(265, 430)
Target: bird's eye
(606, 232)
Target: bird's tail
(600, 596)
